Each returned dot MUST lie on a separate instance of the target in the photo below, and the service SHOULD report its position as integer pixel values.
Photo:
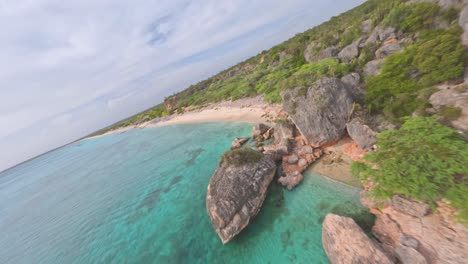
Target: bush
(241, 156)
(423, 160)
(450, 113)
(436, 57)
(413, 18)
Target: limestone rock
(409, 206)
(237, 190)
(291, 180)
(238, 142)
(259, 129)
(345, 242)
(293, 159)
(302, 162)
(373, 67)
(283, 130)
(348, 53)
(362, 134)
(408, 255)
(321, 113)
(387, 50)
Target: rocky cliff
(237, 190)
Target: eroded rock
(348, 53)
(237, 190)
(373, 67)
(410, 207)
(291, 180)
(387, 50)
(345, 242)
(238, 142)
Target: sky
(69, 68)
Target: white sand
(248, 110)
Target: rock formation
(345, 242)
(237, 190)
(320, 113)
(238, 142)
(413, 234)
(350, 52)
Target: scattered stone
(348, 53)
(238, 142)
(409, 206)
(290, 181)
(362, 134)
(293, 159)
(237, 190)
(321, 113)
(302, 162)
(409, 255)
(345, 242)
(387, 50)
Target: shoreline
(247, 110)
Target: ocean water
(139, 197)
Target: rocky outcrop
(345, 242)
(373, 67)
(455, 97)
(381, 35)
(348, 53)
(322, 111)
(237, 190)
(402, 224)
(362, 134)
(311, 54)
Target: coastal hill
(389, 75)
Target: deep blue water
(139, 197)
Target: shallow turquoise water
(139, 197)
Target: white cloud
(118, 57)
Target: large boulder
(321, 111)
(345, 242)
(311, 55)
(381, 34)
(348, 53)
(362, 134)
(237, 190)
(387, 50)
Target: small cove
(139, 197)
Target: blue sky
(69, 68)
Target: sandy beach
(248, 110)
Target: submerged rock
(237, 190)
(291, 180)
(320, 112)
(345, 242)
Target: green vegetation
(413, 18)
(241, 156)
(423, 160)
(450, 113)
(437, 56)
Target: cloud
(72, 67)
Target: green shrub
(436, 57)
(450, 113)
(241, 156)
(412, 18)
(423, 160)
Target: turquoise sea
(139, 197)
